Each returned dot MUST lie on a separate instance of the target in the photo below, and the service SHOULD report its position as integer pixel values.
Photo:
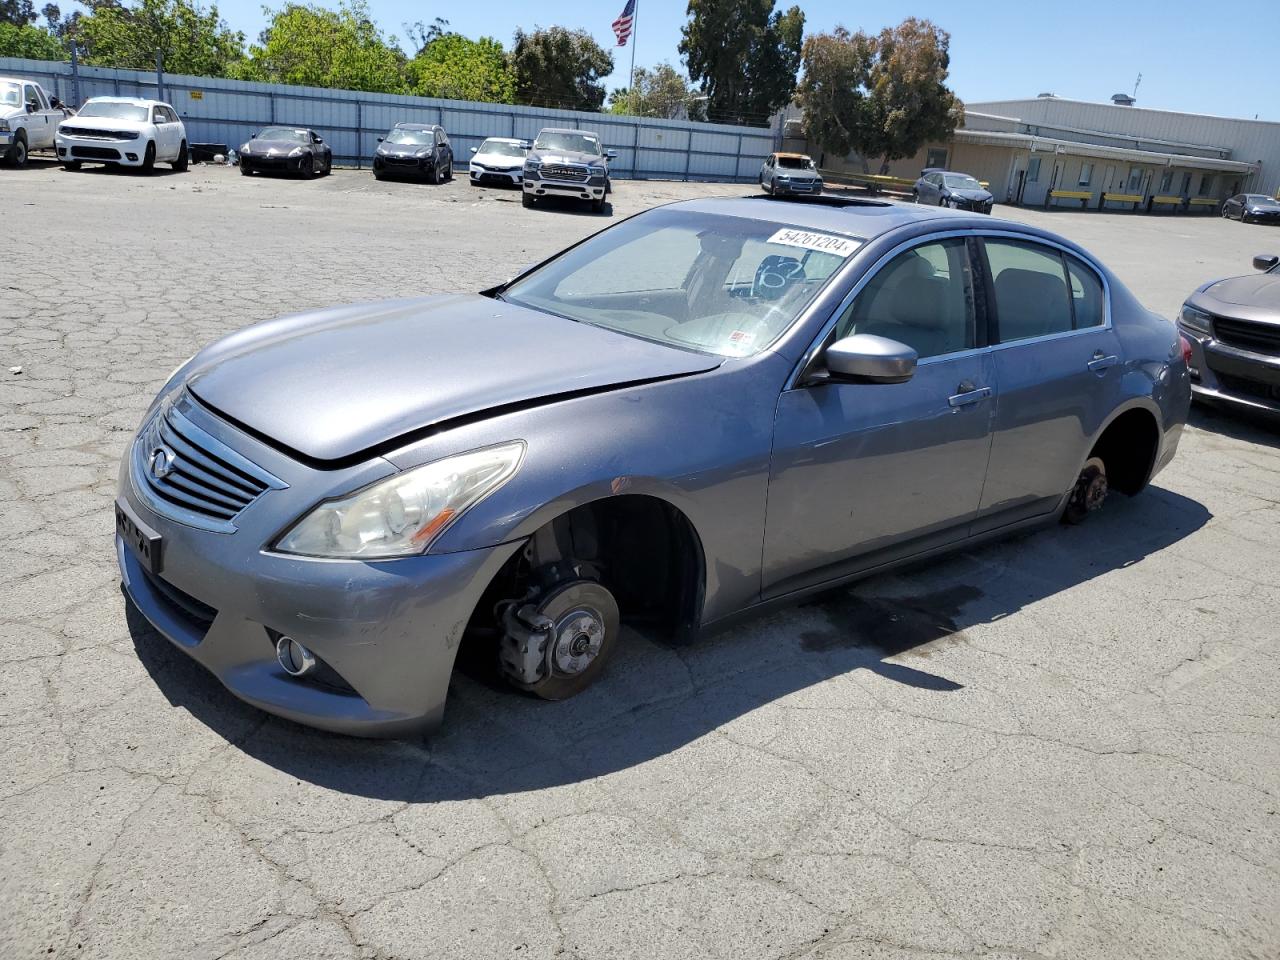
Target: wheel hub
(577, 639)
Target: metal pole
(635, 30)
(75, 74)
(159, 75)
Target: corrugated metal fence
(228, 111)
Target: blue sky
(1191, 57)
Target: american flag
(622, 26)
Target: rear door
(49, 118)
(1057, 360)
(862, 473)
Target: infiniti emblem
(162, 462)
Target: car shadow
(572, 206)
(657, 698)
(161, 169)
(1239, 423)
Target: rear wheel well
(1128, 448)
(644, 550)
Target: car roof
(135, 101)
(794, 156)
(504, 139)
(404, 125)
(865, 219)
(589, 133)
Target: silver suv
(567, 163)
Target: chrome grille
(1248, 335)
(555, 171)
(189, 475)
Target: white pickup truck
(29, 117)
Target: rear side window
(1087, 296)
(1031, 290)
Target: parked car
(1251, 208)
(783, 173)
(946, 188)
(567, 163)
(287, 150)
(499, 160)
(600, 436)
(1234, 329)
(418, 150)
(29, 119)
(124, 131)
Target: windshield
(1262, 200)
(289, 134)
(417, 138)
(795, 163)
(569, 142)
(9, 94)
(716, 284)
(961, 181)
(115, 110)
(501, 149)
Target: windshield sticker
(741, 338)
(823, 242)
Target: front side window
(1040, 291)
(922, 297)
(157, 115)
(715, 284)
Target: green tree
(561, 68)
(18, 13)
(457, 68)
(883, 96)
(317, 47)
(190, 38)
(745, 56)
(660, 92)
(34, 43)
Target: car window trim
(986, 328)
(1063, 251)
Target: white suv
(123, 131)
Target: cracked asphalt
(1062, 745)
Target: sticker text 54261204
(823, 242)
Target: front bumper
(482, 175)
(126, 153)
(403, 166)
(268, 164)
(6, 140)
(807, 187)
(1232, 375)
(386, 632)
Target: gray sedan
(1234, 329)
(324, 509)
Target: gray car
(1234, 329)
(326, 508)
(946, 188)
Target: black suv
(417, 150)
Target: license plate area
(144, 542)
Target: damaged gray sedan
(707, 409)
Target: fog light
(295, 659)
(132, 156)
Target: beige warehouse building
(1029, 149)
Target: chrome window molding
(807, 357)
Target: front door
(863, 472)
(1057, 362)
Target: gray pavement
(1062, 745)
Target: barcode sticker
(823, 242)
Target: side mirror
(611, 154)
(253, 136)
(526, 144)
(473, 149)
(866, 358)
(319, 139)
(1265, 261)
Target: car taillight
(1186, 349)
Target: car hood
(107, 123)
(1253, 297)
(565, 156)
(262, 146)
(337, 384)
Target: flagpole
(635, 18)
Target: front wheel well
(1128, 447)
(643, 549)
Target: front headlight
(402, 515)
(532, 166)
(4, 126)
(596, 171)
(1195, 320)
(296, 152)
(244, 148)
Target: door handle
(1101, 361)
(968, 394)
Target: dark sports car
(418, 150)
(1251, 208)
(286, 150)
(1234, 329)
